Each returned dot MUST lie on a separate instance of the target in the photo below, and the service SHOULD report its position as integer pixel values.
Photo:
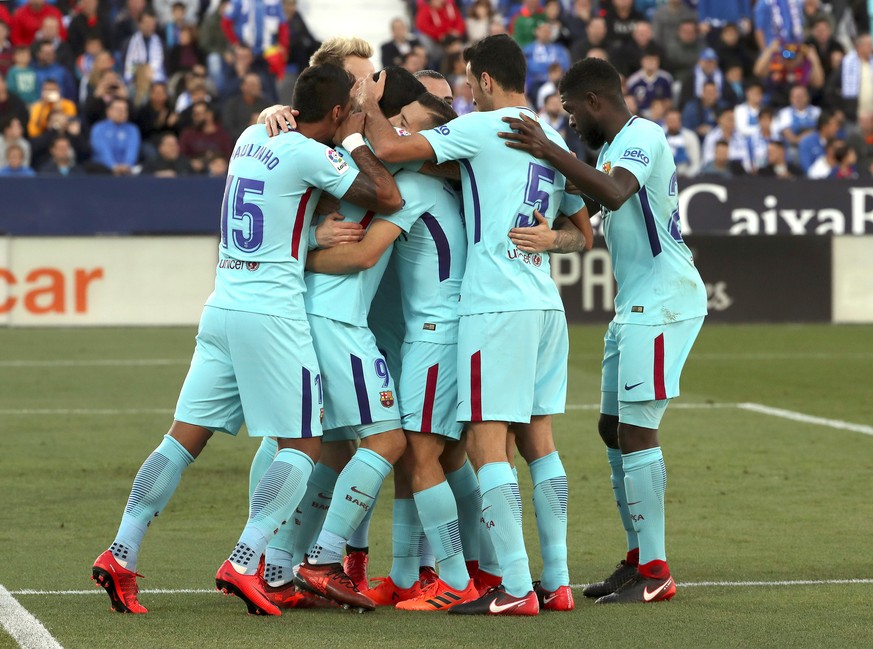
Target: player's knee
(607, 426)
(391, 444)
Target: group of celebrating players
(427, 336)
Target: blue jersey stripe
(477, 215)
(361, 389)
(651, 226)
(306, 406)
(444, 253)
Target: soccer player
(430, 256)
(360, 402)
(659, 307)
(254, 360)
(512, 338)
(436, 84)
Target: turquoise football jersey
(430, 260)
(657, 280)
(273, 185)
(347, 298)
(502, 187)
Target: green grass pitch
(751, 497)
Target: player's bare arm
(610, 190)
(386, 142)
(355, 257)
(374, 188)
(570, 234)
(334, 231)
(278, 119)
(450, 170)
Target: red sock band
(633, 557)
(656, 569)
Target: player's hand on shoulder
(334, 231)
(278, 119)
(536, 238)
(527, 135)
(369, 90)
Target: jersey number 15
(241, 221)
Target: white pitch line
(25, 629)
(97, 362)
(689, 584)
(673, 406)
(806, 419)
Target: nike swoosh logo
(459, 404)
(636, 502)
(494, 607)
(647, 596)
(324, 497)
(487, 508)
(358, 491)
(549, 598)
(407, 416)
(631, 387)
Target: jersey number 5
(534, 196)
(242, 221)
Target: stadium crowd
(777, 88)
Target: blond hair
(335, 50)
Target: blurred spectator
(303, 43)
(650, 82)
(760, 137)
(595, 37)
(63, 160)
(85, 61)
(60, 125)
(845, 158)
(721, 164)
(11, 104)
(524, 23)
(798, 119)
(50, 98)
(186, 54)
(497, 26)
(214, 43)
(258, 24)
(7, 52)
(415, 60)
(829, 50)
(733, 51)
(154, 117)
(725, 131)
(813, 11)
(216, 166)
(127, 23)
(777, 165)
(714, 15)
(145, 47)
(746, 113)
(478, 21)
(554, 115)
(855, 80)
(463, 101)
(701, 115)
(50, 32)
(826, 163)
(195, 92)
(627, 57)
(631, 102)
(164, 10)
(141, 86)
(684, 51)
(13, 134)
(169, 162)
(732, 90)
(15, 165)
(436, 20)
(684, 144)
(21, 76)
(172, 28)
(46, 67)
(4, 15)
(862, 143)
(114, 140)
(205, 135)
(242, 109)
(540, 54)
(706, 71)
(621, 20)
(777, 20)
(100, 63)
(812, 146)
(110, 86)
(400, 45)
(782, 67)
(244, 61)
(27, 21)
(666, 21)
(551, 85)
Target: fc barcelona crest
(387, 398)
(607, 167)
